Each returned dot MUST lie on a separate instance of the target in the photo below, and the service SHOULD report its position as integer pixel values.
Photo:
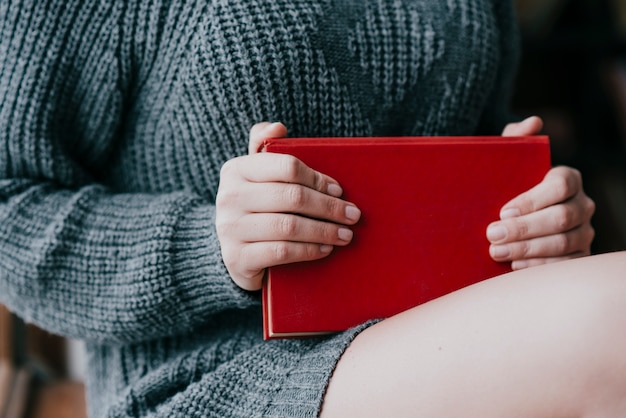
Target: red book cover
(426, 203)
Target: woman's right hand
(272, 209)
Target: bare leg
(548, 341)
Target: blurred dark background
(573, 75)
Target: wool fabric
(115, 119)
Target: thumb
(529, 126)
(261, 131)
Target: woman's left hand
(548, 223)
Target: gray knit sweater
(115, 118)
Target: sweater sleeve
(77, 257)
(498, 111)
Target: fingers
(290, 198)
(259, 240)
(559, 184)
(273, 209)
(257, 227)
(293, 239)
(522, 264)
(550, 222)
(564, 244)
(250, 263)
(547, 221)
(279, 168)
(262, 131)
(529, 126)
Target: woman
(116, 119)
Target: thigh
(542, 342)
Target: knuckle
(311, 251)
(225, 196)
(525, 202)
(572, 181)
(524, 249)
(325, 233)
(318, 181)
(576, 176)
(228, 168)
(222, 227)
(564, 217)
(334, 207)
(287, 226)
(295, 196)
(561, 187)
(290, 167)
(562, 243)
(280, 252)
(520, 229)
(328, 233)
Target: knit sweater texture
(115, 119)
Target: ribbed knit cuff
(203, 283)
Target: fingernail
(334, 190)
(326, 248)
(500, 251)
(345, 234)
(353, 213)
(496, 233)
(518, 265)
(510, 213)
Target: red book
(426, 203)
